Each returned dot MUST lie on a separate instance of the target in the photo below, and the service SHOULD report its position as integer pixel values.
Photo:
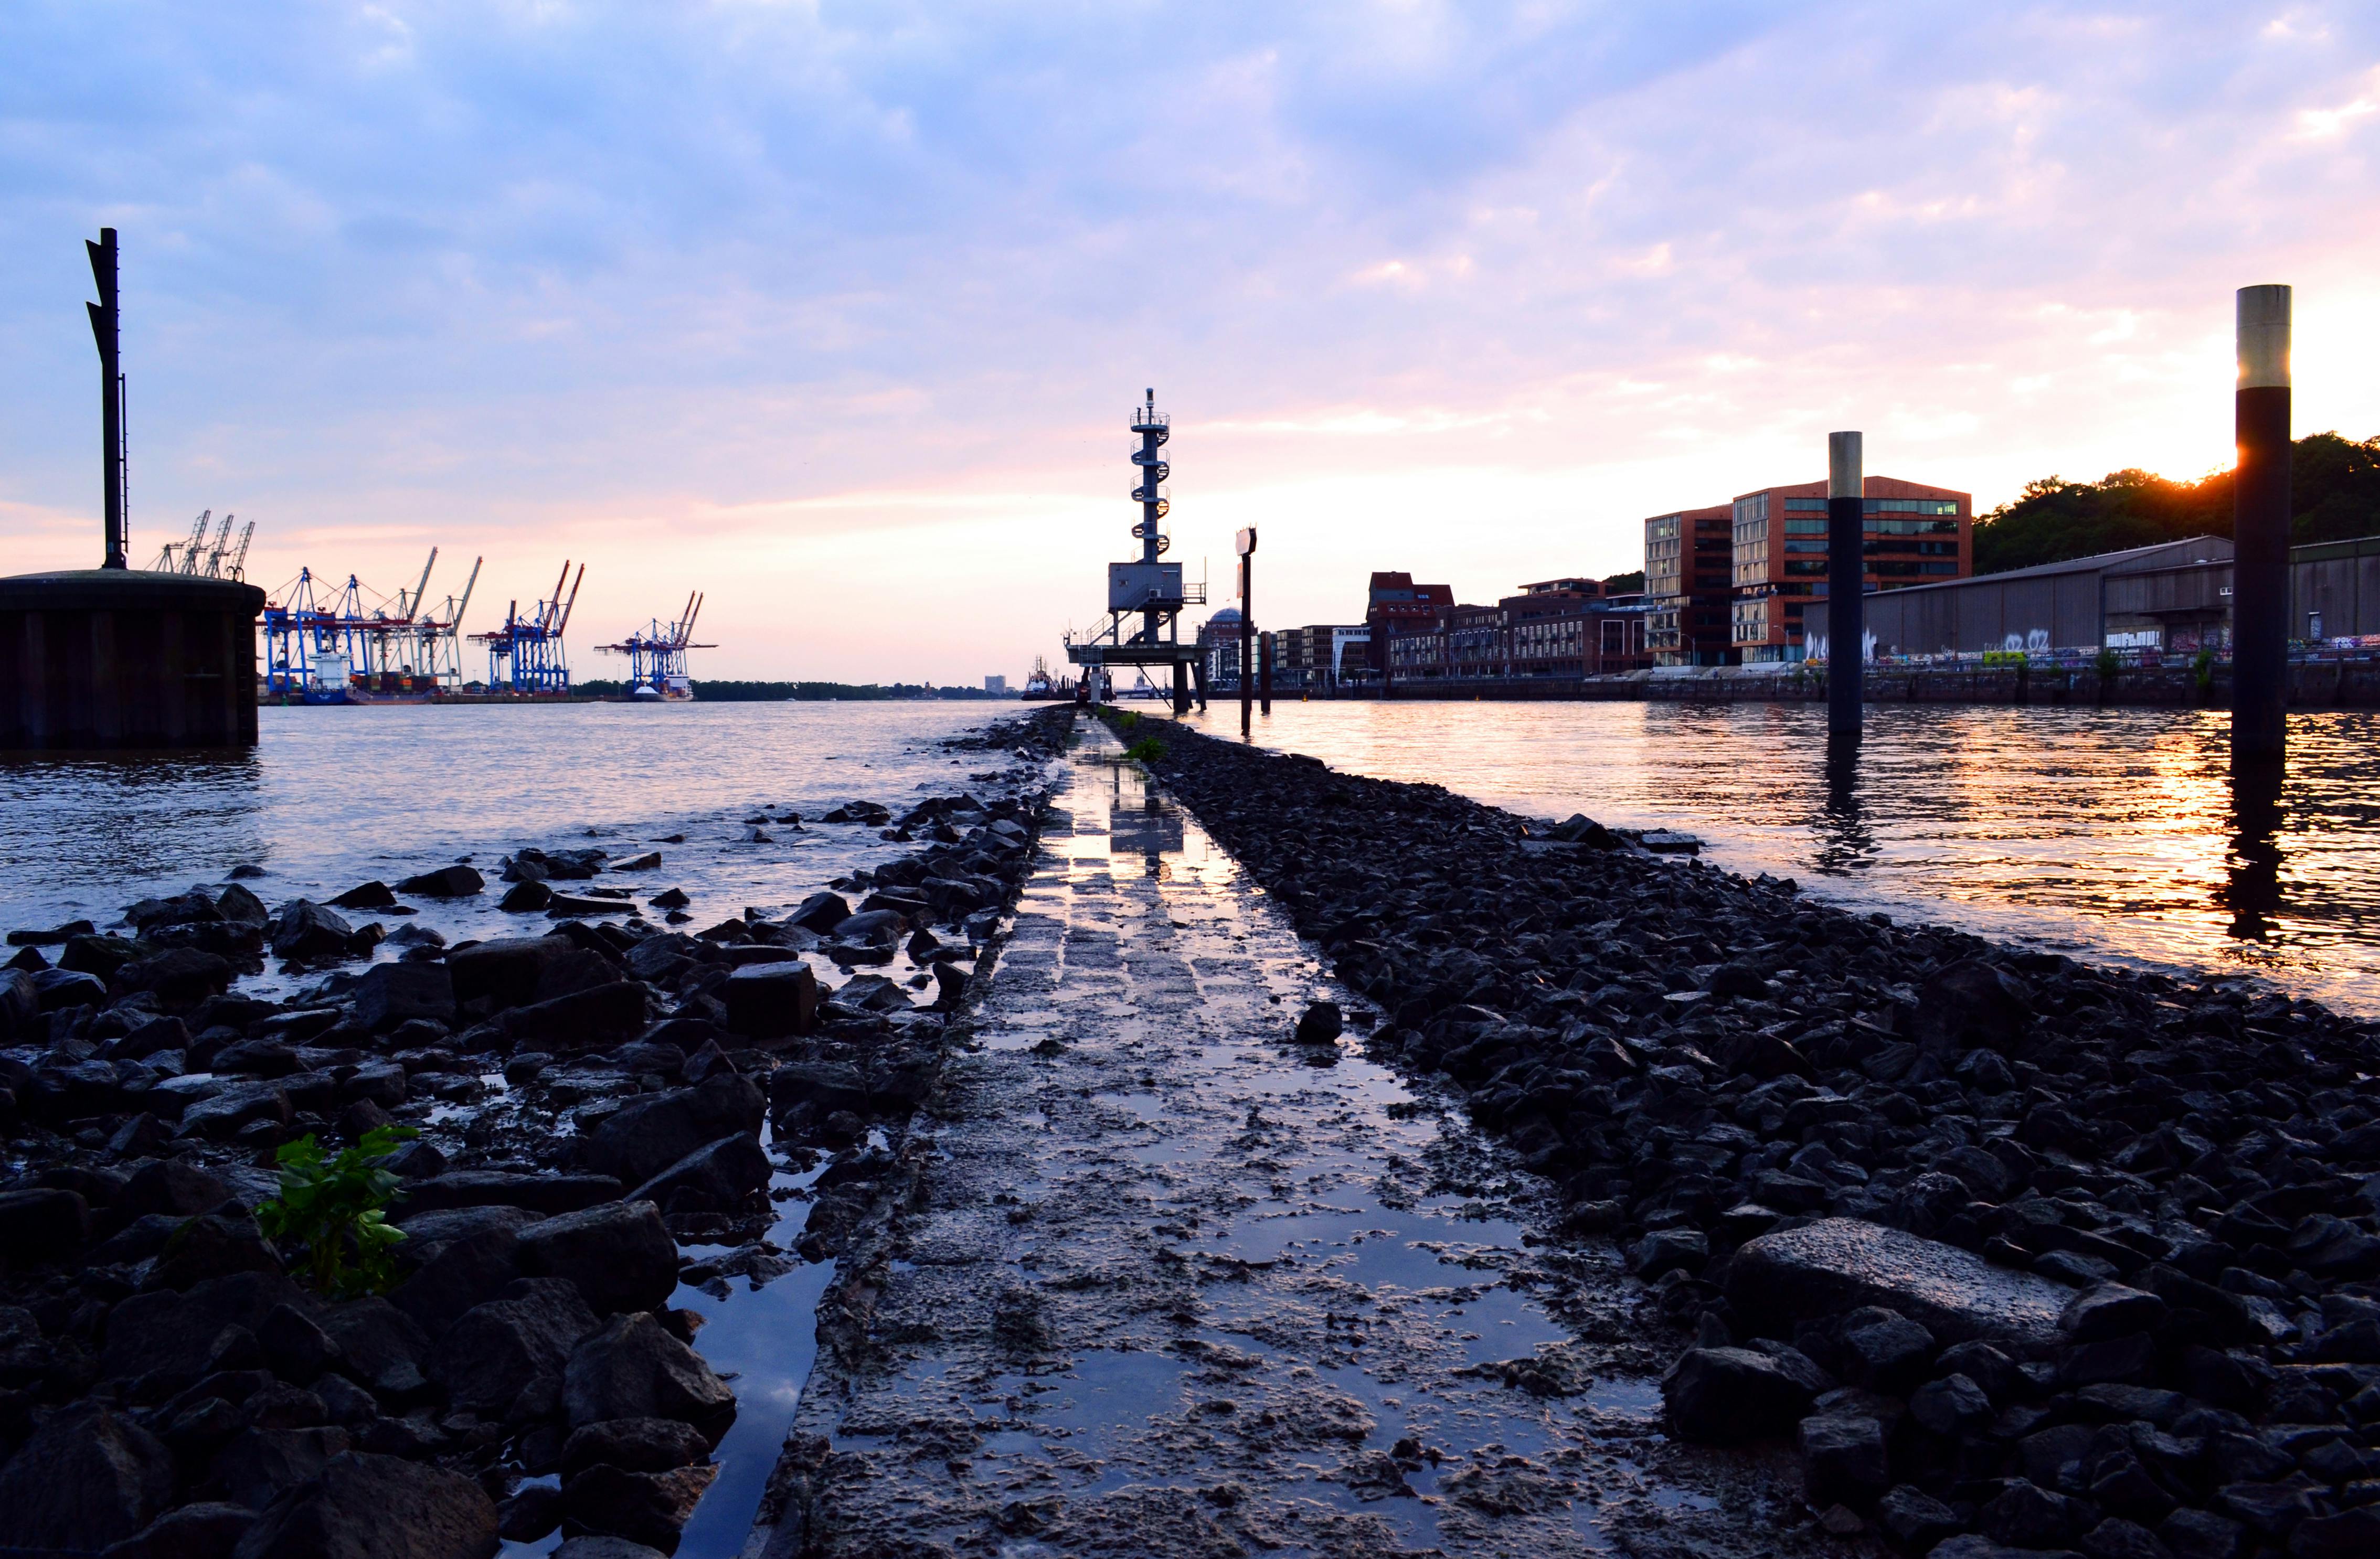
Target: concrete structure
(1913, 535)
(2335, 590)
(123, 658)
(1689, 564)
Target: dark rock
(619, 1254)
(821, 912)
(605, 1548)
(534, 1510)
(41, 1223)
(1952, 1407)
(210, 1529)
(771, 1000)
(1835, 1264)
(366, 1507)
(446, 882)
(2350, 1534)
(495, 1350)
(57, 989)
(1720, 1396)
(180, 978)
(1884, 1350)
(1969, 1005)
(453, 1260)
(211, 1246)
(2112, 1311)
(295, 1347)
(260, 1464)
(713, 1179)
(1915, 1519)
(1319, 1023)
(306, 930)
(372, 895)
(89, 1477)
(2022, 1516)
(647, 1507)
(545, 1193)
(379, 1346)
(525, 898)
(390, 993)
(634, 1444)
(585, 1020)
(1843, 1460)
(224, 1114)
(168, 1335)
(648, 1134)
(632, 1369)
(1669, 1250)
(503, 973)
(2199, 1534)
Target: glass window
(1805, 506)
(1805, 527)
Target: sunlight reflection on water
(2100, 833)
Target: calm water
(2109, 833)
(332, 797)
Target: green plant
(337, 1208)
(1149, 749)
(2204, 668)
(2109, 661)
(1127, 718)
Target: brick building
(1395, 604)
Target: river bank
(2122, 1282)
(607, 1108)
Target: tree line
(2334, 495)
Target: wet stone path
(1173, 1284)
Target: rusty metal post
(1264, 671)
(106, 332)
(2259, 530)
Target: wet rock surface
(1155, 1273)
(2093, 1251)
(594, 1132)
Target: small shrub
(337, 1209)
(2108, 662)
(2204, 668)
(1149, 749)
(1127, 718)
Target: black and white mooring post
(1846, 579)
(1245, 543)
(2259, 530)
(1264, 671)
(103, 329)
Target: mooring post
(1246, 543)
(1264, 671)
(1846, 578)
(2259, 530)
(105, 329)
(1180, 688)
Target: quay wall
(2313, 685)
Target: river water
(2112, 833)
(2105, 833)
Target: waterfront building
(2173, 597)
(1395, 604)
(996, 686)
(1555, 628)
(1689, 577)
(1915, 534)
(1314, 655)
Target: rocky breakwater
(2022, 1255)
(175, 1385)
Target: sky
(836, 313)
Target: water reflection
(2109, 833)
(1844, 843)
(2253, 888)
(147, 815)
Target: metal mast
(1150, 492)
(104, 329)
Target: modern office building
(1915, 534)
(1689, 579)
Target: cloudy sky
(836, 311)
